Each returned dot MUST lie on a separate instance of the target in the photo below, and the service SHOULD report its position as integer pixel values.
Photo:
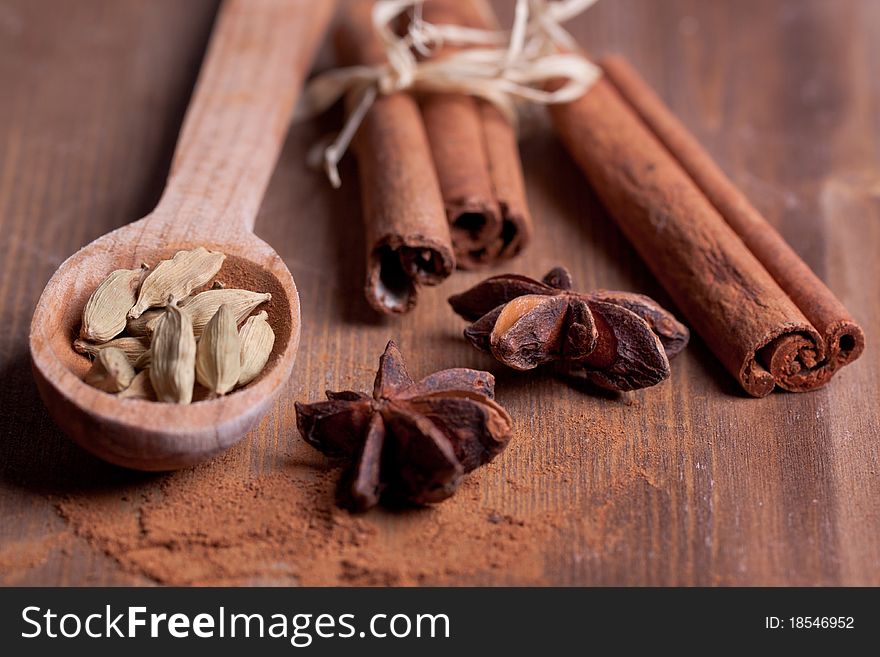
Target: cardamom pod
(133, 348)
(218, 353)
(140, 388)
(176, 278)
(203, 306)
(172, 371)
(104, 316)
(257, 339)
(143, 326)
(111, 371)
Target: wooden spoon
(228, 147)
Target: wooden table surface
(687, 483)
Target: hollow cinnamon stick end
(508, 181)
(399, 265)
(798, 365)
(846, 342)
(516, 233)
(474, 225)
(485, 233)
(798, 359)
(755, 379)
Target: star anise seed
(411, 440)
(618, 340)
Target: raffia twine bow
(498, 66)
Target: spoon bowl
(230, 141)
(147, 435)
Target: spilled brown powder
(211, 526)
(221, 523)
(18, 557)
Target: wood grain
(686, 483)
(229, 144)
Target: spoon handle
(237, 119)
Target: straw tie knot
(498, 67)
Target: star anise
(618, 340)
(410, 441)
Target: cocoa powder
(267, 514)
(17, 558)
(212, 525)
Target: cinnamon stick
(476, 155)
(408, 240)
(757, 305)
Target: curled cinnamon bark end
(768, 318)
(407, 234)
(476, 155)
(399, 265)
(411, 441)
(801, 362)
(474, 226)
(455, 134)
(508, 182)
(618, 340)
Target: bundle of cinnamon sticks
(441, 175)
(442, 184)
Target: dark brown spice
(770, 320)
(411, 441)
(407, 235)
(475, 152)
(618, 340)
